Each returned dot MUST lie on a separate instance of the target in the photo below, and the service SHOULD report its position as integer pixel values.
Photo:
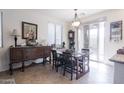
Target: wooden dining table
(77, 55)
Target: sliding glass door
(93, 41)
(93, 35)
(101, 41)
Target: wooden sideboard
(22, 54)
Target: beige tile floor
(39, 74)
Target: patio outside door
(94, 39)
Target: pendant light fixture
(76, 21)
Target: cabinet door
(39, 52)
(29, 53)
(16, 54)
(47, 51)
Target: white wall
(111, 16)
(12, 20)
(111, 47)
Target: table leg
(50, 59)
(11, 69)
(44, 60)
(77, 70)
(23, 66)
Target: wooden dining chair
(57, 60)
(84, 61)
(70, 64)
(86, 53)
(54, 58)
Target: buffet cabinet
(22, 54)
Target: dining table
(77, 55)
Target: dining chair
(86, 53)
(57, 60)
(84, 61)
(70, 64)
(54, 57)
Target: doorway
(93, 41)
(93, 36)
(96, 41)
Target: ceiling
(68, 14)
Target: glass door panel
(93, 42)
(101, 41)
(80, 39)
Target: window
(54, 34)
(58, 34)
(0, 29)
(51, 33)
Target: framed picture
(116, 31)
(1, 29)
(29, 31)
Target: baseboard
(17, 65)
(102, 62)
(4, 68)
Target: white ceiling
(68, 14)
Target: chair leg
(23, 67)
(64, 71)
(88, 67)
(53, 64)
(11, 69)
(71, 74)
(50, 59)
(56, 68)
(77, 74)
(43, 61)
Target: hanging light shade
(76, 22)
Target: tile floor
(39, 74)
